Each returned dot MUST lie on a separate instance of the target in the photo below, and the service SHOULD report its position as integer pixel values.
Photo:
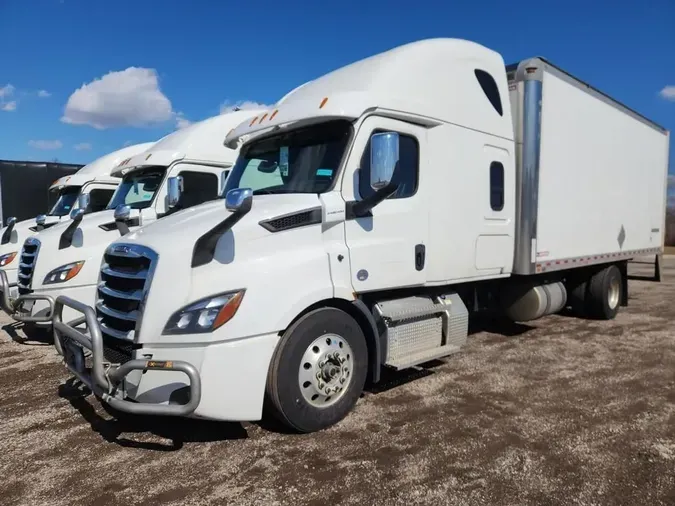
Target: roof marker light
(263, 117)
(323, 102)
(274, 114)
(253, 121)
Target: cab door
(388, 248)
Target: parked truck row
(357, 225)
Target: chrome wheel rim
(613, 293)
(325, 370)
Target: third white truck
(367, 218)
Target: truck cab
(185, 168)
(94, 180)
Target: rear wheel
(604, 293)
(318, 370)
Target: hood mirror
(77, 214)
(7, 234)
(40, 219)
(239, 200)
(174, 190)
(121, 215)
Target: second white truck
(179, 171)
(94, 180)
(367, 218)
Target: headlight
(205, 315)
(7, 258)
(63, 273)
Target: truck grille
(126, 273)
(27, 261)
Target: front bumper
(106, 380)
(16, 305)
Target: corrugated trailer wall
(591, 173)
(24, 187)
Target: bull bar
(13, 306)
(104, 378)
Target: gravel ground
(563, 411)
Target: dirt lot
(561, 412)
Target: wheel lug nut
(320, 385)
(342, 380)
(328, 391)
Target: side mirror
(40, 219)
(121, 215)
(383, 158)
(83, 201)
(11, 221)
(239, 200)
(77, 214)
(174, 190)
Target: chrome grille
(126, 273)
(27, 260)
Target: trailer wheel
(604, 293)
(318, 370)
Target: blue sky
(189, 57)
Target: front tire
(318, 370)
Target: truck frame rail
(104, 378)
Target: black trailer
(24, 187)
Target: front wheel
(318, 370)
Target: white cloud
(6, 92)
(130, 97)
(82, 146)
(668, 93)
(44, 94)
(229, 106)
(45, 145)
(182, 121)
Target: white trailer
(183, 169)
(94, 180)
(368, 217)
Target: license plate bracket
(74, 357)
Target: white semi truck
(366, 219)
(183, 169)
(94, 180)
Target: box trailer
(368, 217)
(24, 187)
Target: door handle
(420, 256)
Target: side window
(99, 199)
(496, 186)
(198, 187)
(406, 174)
(489, 86)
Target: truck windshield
(305, 160)
(65, 200)
(138, 188)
